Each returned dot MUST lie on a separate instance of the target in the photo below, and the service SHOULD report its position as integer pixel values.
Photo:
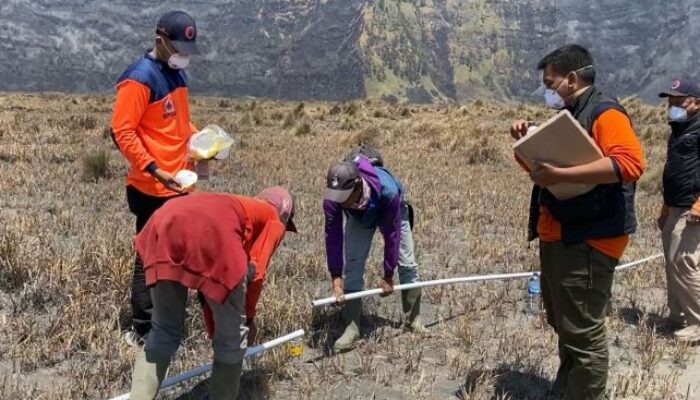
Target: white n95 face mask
(677, 114)
(178, 61)
(553, 99)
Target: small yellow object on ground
(295, 347)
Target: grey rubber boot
(225, 380)
(147, 377)
(351, 317)
(410, 301)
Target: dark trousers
(576, 288)
(142, 206)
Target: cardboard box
(563, 142)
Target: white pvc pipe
(449, 281)
(642, 261)
(398, 288)
(251, 351)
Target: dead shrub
(245, 120)
(651, 181)
(257, 116)
(428, 129)
(76, 123)
(483, 151)
(335, 109)
(289, 121)
(352, 108)
(107, 132)
(95, 166)
(379, 113)
(348, 124)
(369, 136)
(302, 129)
(12, 274)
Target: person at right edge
(680, 214)
(582, 239)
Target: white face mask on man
(677, 114)
(553, 99)
(175, 60)
(178, 61)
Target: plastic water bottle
(533, 295)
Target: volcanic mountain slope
(417, 50)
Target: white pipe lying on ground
(449, 281)
(251, 351)
(635, 263)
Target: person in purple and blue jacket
(368, 196)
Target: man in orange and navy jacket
(582, 239)
(151, 126)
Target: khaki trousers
(682, 251)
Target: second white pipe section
(250, 351)
(450, 281)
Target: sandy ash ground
(66, 256)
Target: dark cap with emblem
(341, 181)
(682, 87)
(180, 29)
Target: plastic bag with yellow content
(210, 142)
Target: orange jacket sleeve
(260, 253)
(132, 100)
(615, 136)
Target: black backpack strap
(411, 213)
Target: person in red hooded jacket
(219, 244)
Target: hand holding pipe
(398, 288)
(448, 281)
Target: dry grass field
(66, 256)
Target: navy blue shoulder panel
(604, 106)
(160, 79)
